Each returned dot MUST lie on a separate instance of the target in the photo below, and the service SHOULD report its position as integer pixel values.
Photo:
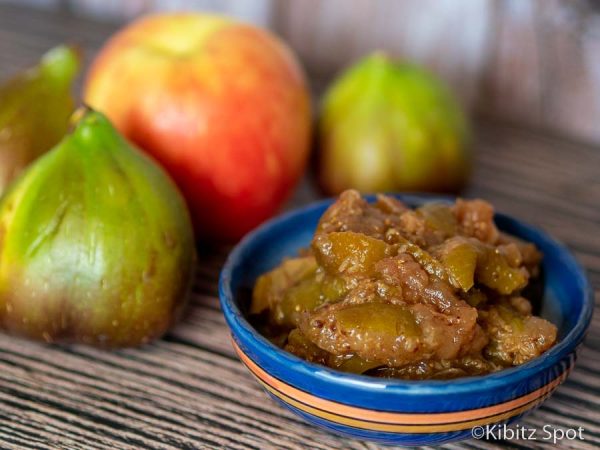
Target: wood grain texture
(189, 391)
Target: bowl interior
(566, 299)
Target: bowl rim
(242, 330)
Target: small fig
(96, 243)
(386, 126)
(35, 107)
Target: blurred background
(531, 62)
(528, 73)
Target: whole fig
(35, 107)
(96, 243)
(387, 126)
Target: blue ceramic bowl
(397, 411)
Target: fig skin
(35, 106)
(386, 126)
(96, 243)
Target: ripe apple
(222, 105)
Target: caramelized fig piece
(349, 253)
(431, 265)
(392, 334)
(379, 331)
(387, 319)
(96, 243)
(495, 272)
(293, 288)
(35, 107)
(459, 258)
(353, 364)
(466, 261)
(351, 212)
(306, 296)
(439, 370)
(271, 286)
(515, 335)
(440, 218)
(301, 346)
(476, 219)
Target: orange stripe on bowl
(383, 417)
(403, 428)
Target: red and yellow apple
(222, 105)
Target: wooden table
(188, 390)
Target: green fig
(387, 126)
(35, 107)
(96, 243)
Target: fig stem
(78, 115)
(62, 63)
